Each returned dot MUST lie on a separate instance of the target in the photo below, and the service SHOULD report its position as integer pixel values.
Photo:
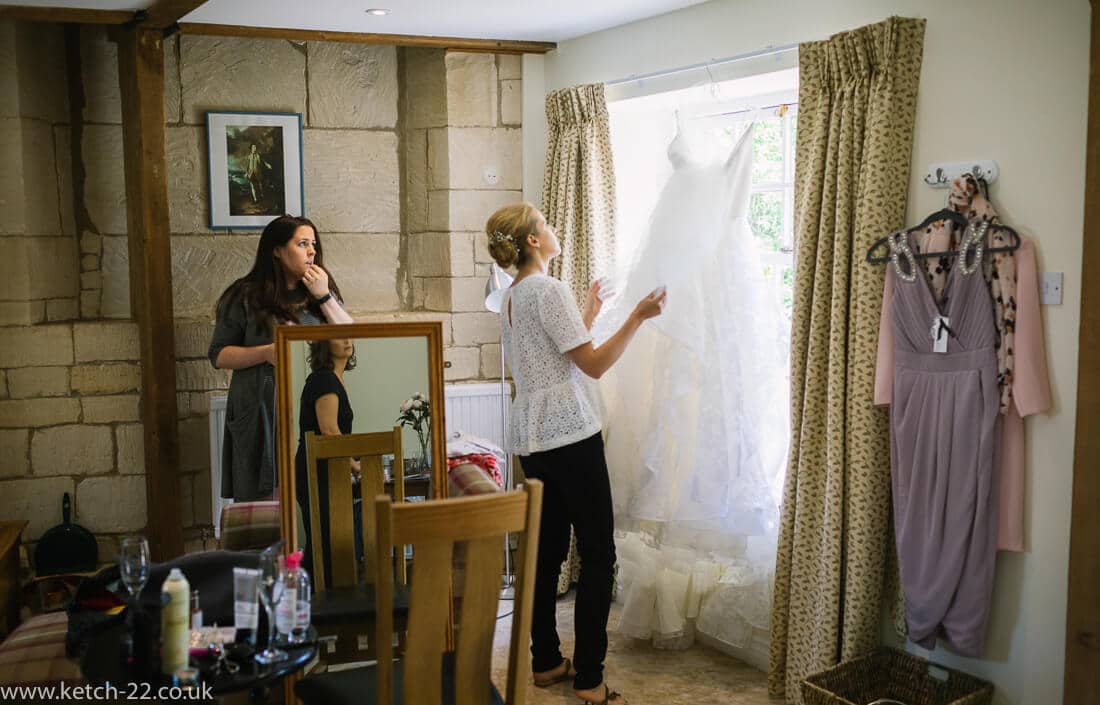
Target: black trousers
(577, 493)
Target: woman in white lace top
(555, 425)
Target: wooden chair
(427, 675)
(346, 608)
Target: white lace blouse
(556, 403)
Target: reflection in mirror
(360, 386)
(361, 409)
(381, 376)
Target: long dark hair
(264, 289)
(319, 356)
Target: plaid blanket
(486, 461)
(34, 654)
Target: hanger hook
(713, 85)
(939, 177)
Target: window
(642, 127)
(771, 205)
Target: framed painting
(255, 167)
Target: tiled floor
(644, 675)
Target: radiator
(217, 432)
(476, 409)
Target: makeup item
(246, 608)
(175, 631)
(186, 679)
(292, 614)
(196, 610)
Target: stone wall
(406, 152)
(69, 416)
(463, 146)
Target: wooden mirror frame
(284, 401)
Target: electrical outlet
(491, 177)
(1050, 288)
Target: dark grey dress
(248, 448)
(944, 425)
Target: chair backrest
(338, 451)
(249, 525)
(433, 528)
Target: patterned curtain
(857, 104)
(578, 189)
(578, 198)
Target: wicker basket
(894, 676)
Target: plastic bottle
(292, 614)
(175, 623)
(196, 610)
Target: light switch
(1050, 288)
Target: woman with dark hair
(288, 283)
(326, 411)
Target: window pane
(788, 289)
(766, 219)
(788, 218)
(767, 152)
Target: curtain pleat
(857, 106)
(578, 192)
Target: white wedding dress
(697, 411)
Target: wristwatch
(324, 298)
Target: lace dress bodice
(556, 403)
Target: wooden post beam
(165, 13)
(1082, 671)
(141, 80)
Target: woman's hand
(652, 305)
(592, 304)
(316, 281)
(269, 353)
(356, 470)
(595, 361)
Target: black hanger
(943, 214)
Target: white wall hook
(940, 175)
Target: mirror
(373, 377)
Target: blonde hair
(508, 229)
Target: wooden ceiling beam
(165, 13)
(496, 46)
(76, 15)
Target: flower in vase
(415, 412)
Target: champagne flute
(271, 591)
(134, 564)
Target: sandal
(610, 696)
(548, 681)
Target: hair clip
(498, 237)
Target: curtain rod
(781, 108)
(704, 65)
